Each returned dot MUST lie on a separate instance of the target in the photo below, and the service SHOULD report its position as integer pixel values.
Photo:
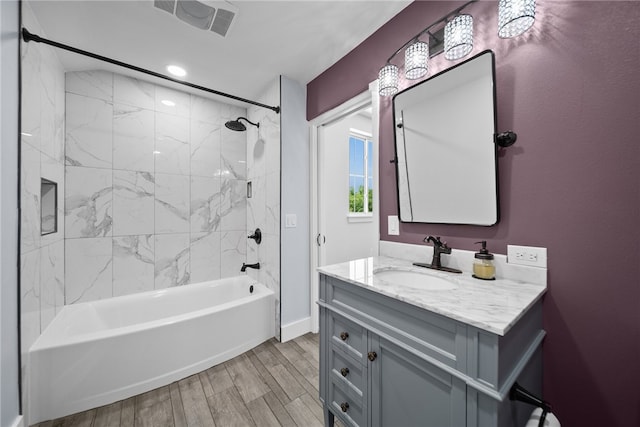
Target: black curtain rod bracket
(28, 37)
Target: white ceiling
(299, 39)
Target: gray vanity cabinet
(406, 391)
(386, 363)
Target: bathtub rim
(47, 342)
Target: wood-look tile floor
(274, 384)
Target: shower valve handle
(257, 236)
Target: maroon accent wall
(570, 88)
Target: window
(360, 173)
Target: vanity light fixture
(458, 37)
(515, 17)
(453, 35)
(416, 60)
(388, 80)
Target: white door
(337, 234)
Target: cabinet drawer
(348, 337)
(351, 411)
(345, 371)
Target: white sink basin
(416, 280)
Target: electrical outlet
(527, 255)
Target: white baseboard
(295, 329)
(19, 422)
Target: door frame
(368, 97)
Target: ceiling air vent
(216, 16)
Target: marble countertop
(494, 306)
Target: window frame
(367, 137)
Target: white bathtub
(99, 352)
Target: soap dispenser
(483, 267)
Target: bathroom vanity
(401, 346)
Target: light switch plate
(290, 221)
(527, 255)
(393, 225)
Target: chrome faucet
(439, 248)
(244, 266)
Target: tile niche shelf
(48, 207)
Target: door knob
(344, 372)
(344, 406)
(344, 336)
(372, 355)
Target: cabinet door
(407, 391)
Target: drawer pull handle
(344, 406)
(344, 336)
(344, 372)
(372, 355)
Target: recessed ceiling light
(168, 103)
(176, 71)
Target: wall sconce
(453, 35)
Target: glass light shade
(416, 60)
(515, 17)
(388, 80)
(458, 37)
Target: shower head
(239, 127)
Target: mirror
(446, 158)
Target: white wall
(295, 201)
(345, 240)
(9, 107)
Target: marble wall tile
(256, 154)
(130, 91)
(172, 151)
(133, 203)
(53, 170)
(181, 100)
(233, 208)
(31, 91)
(30, 199)
(205, 204)
(133, 264)
(58, 149)
(205, 149)
(172, 210)
(29, 298)
(94, 84)
(205, 256)
(206, 110)
(51, 282)
(256, 205)
(133, 138)
(88, 269)
(232, 112)
(233, 248)
(89, 132)
(88, 202)
(172, 260)
(234, 154)
(272, 206)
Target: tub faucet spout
(244, 266)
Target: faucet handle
(436, 240)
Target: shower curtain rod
(27, 37)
